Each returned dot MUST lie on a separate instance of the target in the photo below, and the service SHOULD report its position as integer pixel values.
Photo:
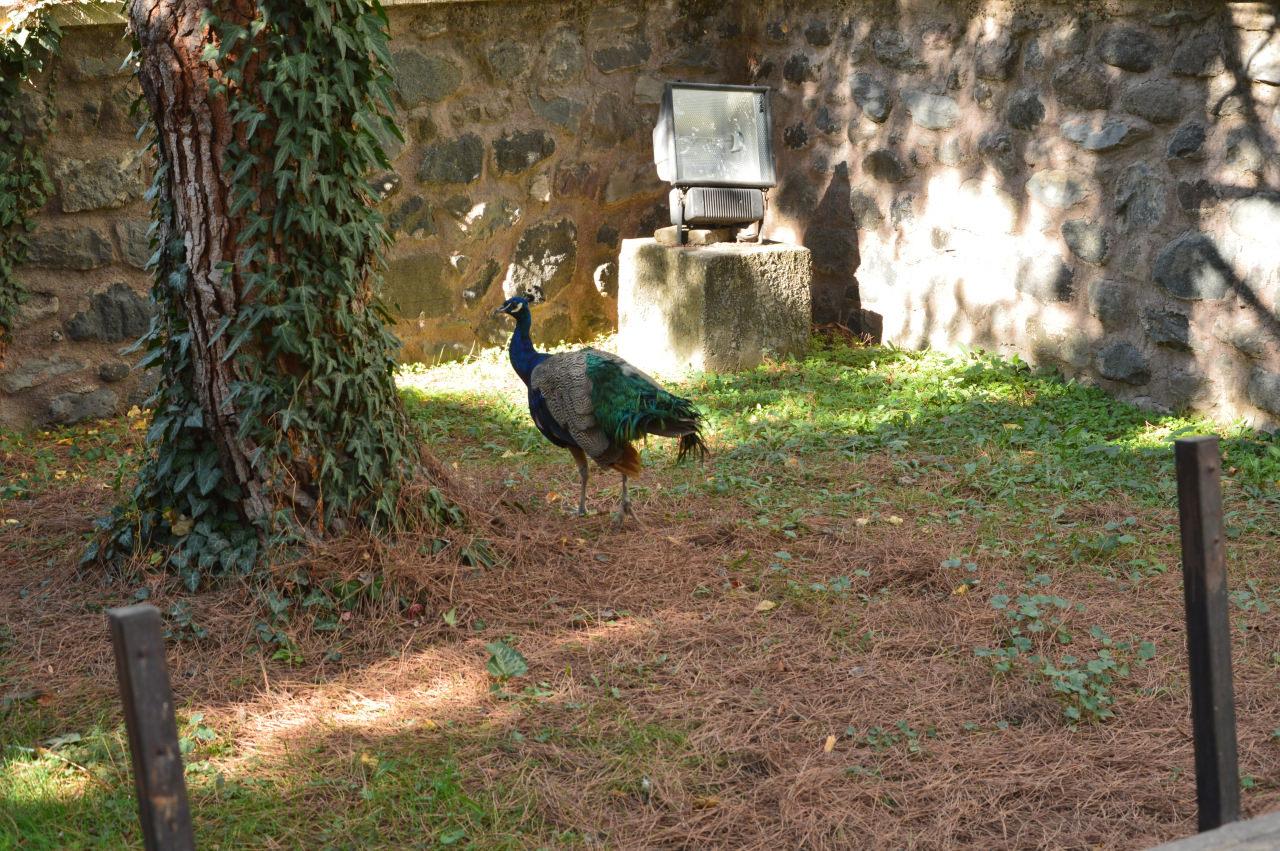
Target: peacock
(595, 404)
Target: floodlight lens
(720, 136)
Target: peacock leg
(624, 507)
(581, 457)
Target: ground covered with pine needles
(911, 601)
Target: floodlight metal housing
(714, 144)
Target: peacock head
(513, 306)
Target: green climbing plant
(28, 37)
(307, 94)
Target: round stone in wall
(1246, 151)
(516, 151)
(1187, 142)
(872, 96)
(479, 286)
(1264, 66)
(893, 50)
(562, 112)
(1087, 240)
(69, 248)
(826, 121)
(37, 371)
(97, 184)
(507, 59)
(1140, 197)
(627, 51)
(614, 120)
(605, 278)
(1199, 56)
(1057, 189)
(68, 408)
(424, 79)
(997, 150)
(1158, 101)
(930, 111)
(799, 69)
(795, 136)
(1071, 38)
(1191, 268)
(457, 160)
(994, 58)
(1082, 85)
(1168, 328)
(113, 370)
(1264, 390)
(1251, 218)
(565, 57)
(1123, 362)
(818, 33)
(114, 315)
(1112, 302)
(420, 285)
(1025, 110)
(1112, 133)
(135, 241)
(544, 260)
(884, 165)
(1129, 48)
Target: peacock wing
(563, 382)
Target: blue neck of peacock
(523, 355)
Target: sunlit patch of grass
(76, 791)
(997, 426)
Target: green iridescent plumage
(629, 404)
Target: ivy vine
(308, 92)
(28, 37)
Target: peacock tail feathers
(691, 442)
(629, 404)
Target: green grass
(388, 792)
(1011, 440)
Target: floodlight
(714, 145)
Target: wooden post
(153, 734)
(1204, 580)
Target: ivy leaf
(207, 479)
(505, 662)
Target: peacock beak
(499, 310)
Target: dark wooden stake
(1204, 580)
(153, 734)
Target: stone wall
(1091, 185)
(88, 291)
(527, 158)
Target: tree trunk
(193, 131)
(277, 416)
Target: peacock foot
(621, 515)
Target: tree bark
(193, 130)
(277, 414)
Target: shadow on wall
(1093, 189)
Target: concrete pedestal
(718, 308)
